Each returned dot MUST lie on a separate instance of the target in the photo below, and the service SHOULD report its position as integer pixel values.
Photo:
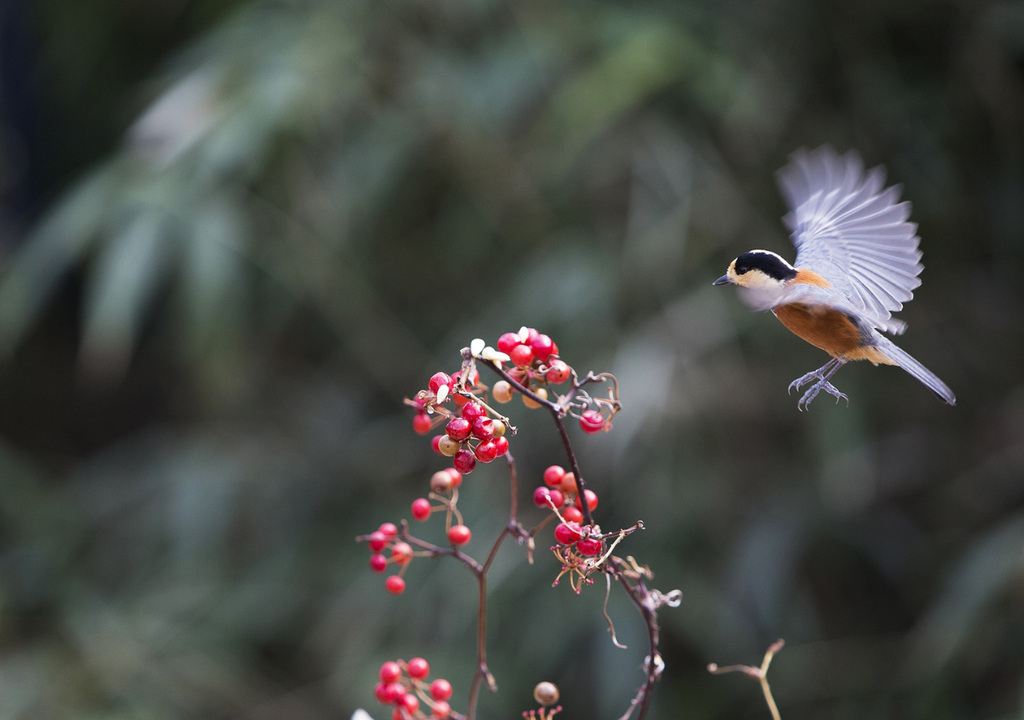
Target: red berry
(390, 671)
(459, 534)
(557, 498)
(472, 411)
(589, 547)
(381, 691)
(434, 444)
(421, 509)
(486, 451)
(522, 355)
(558, 372)
(568, 533)
(395, 585)
(460, 400)
(401, 553)
(438, 379)
(458, 428)
(500, 446)
(398, 713)
(440, 689)
(455, 476)
(464, 461)
(418, 668)
(507, 342)
(410, 702)
(389, 530)
(592, 421)
(395, 690)
(377, 541)
(591, 499)
(483, 428)
(553, 475)
(542, 347)
(378, 563)
(442, 709)
(421, 423)
(573, 514)
(542, 494)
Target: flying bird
(857, 262)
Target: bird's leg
(824, 384)
(818, 374)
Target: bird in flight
(857, 262)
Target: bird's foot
(812, 392)
(804, 379)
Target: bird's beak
(724, 280)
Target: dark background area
(235, 235)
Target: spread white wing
(852, 233)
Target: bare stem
(758, 673)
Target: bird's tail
(919, 371)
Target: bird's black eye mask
(770, 265)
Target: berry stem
(641, 597)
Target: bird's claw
(803, 380)
(812, 392)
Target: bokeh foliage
(256, 226)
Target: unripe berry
(441, 481)
(458, 428)
(459, 534)
(568, 533)
(542, 494)
(500, 446)
(542, 347)
(435, 443)
(395, 585)
(507, 342)
(440, 689)
(568, 483)
(592, 422)
(389, 530)
(589, 547)
(553, 475)
(455, 476)
(421, 509)
(533, 404)
(501, 392)
(483, 428)
(522, 355)
(591, 499)
(390, 671)
(573, 514)
(378, 563)
(418, 668)
(472, 411)
(558, 372)
(438, 379)
(377, 541)
(442, 709)
(421, 423)
(546, 693)
(448, 446)
(401, 553)
(464, 461)
(486, 451)
(499, 428)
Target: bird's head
(758, 270)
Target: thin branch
(758, 673)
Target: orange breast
(823, 327)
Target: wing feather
(853, 233)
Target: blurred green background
(235, 235)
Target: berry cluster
(385, 538)
(404, 685)
(536, 365)
(559, 492)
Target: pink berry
(421, 423)
(507, 342)
(542, 494)
(542, 347)
(377, 541)
(395, 690)
(472, 411)
(401, 553)
(486, 451)
(558, 372)
(591, 499)
(567, 533)
(459, 534)
(382, 694)
(378, 563)
(438, 379)
(418, 668)
(410, 702)
(483, 428)
(458, 428)
(395, 585)
(573, 514)
(421, 509)
(464, 461)
(500, 445)
(435, 443)
(390, 671)
(455, 476)
(553, 475)
(441, 709)
(592, 422)
(531, 335)
(522, 355)
(388, 529)
(440, 689)
(589, 547)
